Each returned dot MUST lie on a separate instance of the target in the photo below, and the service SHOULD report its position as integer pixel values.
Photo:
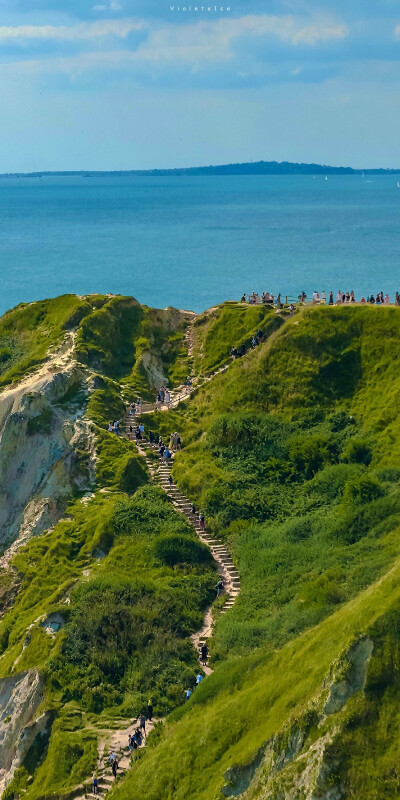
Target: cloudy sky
(119, 84)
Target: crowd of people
(320, 298)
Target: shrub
(173, 550)
(358, 451)
(362, 489)
(308, 454)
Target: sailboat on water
(398, 185)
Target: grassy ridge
(226, 326)
(292, 454)
(28, 331)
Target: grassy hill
(293, 455)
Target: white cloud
(214, 41)
(82, 31)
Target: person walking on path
(204, 654)
(115, 767)
(170, 481)
(199, 678)
(202, 522)
(142, 723)
(220, 587)
(188, 694)
(149, 710)
(95, 784)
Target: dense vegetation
(292, 454)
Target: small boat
(326, 177)
(398, 185)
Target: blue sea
(192, 242)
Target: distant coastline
(248, 168)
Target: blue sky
(119, 84)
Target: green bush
(362, 489)
(358, 451)
(172, 550)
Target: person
(323, 297)
(149, 710)
(151, 437)
(330, 298)
(204, 654)
(220, 587)
(141, 428)
(112, 757)
(202, 522)
(291, 309)
(167, 397)
(253, 342)
(347, 297)
(110, 427)
(315, 297)
(170, 481)
(199, 678)
(193, 508)
(142, 723)
(138, 737)
(352, 297)
(362, 300)
(279, 301)
(95, 784)
(139, 405)
(166, 454)
(161, 450)
(338, 297)
(178, 442)
(233, 353)
(243, 298)
(188, 694)
(130, 429)
(378, 300)
(132, 409)
(115, 767)
(130, 743)
(386, 300)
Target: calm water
(192, 242)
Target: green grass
(292, 454)
(29, 330)
(229, 325)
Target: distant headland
(248, 168)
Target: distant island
(248, 168)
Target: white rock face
(40, 439)
(20, 697)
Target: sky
(141, 84)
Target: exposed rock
(46, 452)
(20, 697)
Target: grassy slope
(138, 579)
(28, 331)
(300, 468)
(225, 326)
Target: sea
(194, 241)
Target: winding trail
(160, 472)
(116, 739)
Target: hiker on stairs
(204, 654)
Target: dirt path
(161, 474)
